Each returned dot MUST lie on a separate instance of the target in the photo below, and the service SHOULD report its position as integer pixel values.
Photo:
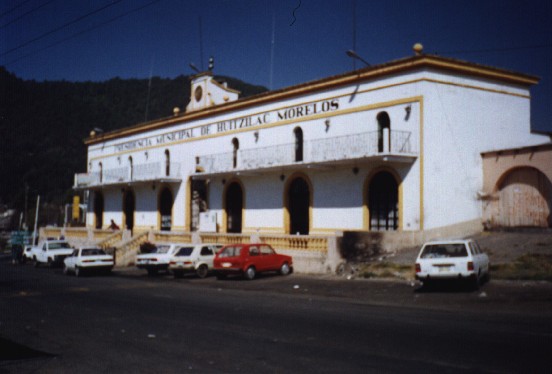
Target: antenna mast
(272, 52)
(201, 44)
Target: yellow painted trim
(394, 67)
(187, 205)
(280, 123)
(261, 230)
(421, 160)
(287, 216)
(224, 227)
(365, 192)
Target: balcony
(141, 173)
(391, 146)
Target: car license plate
(226, 264)
(444, 269)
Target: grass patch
(385, 270)
(526, 267)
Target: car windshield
(60, 245)
(161, 249)
(92, 252)
(444, 250)
(185, 251)
(230, 252)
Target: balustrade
(347, 147)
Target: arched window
(384, 129)
(130, 167)
(236, 145)
(167, 163)
(298, 144)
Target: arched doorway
(98, 209)
(298, 206)
(383, 202)
(165, 205)
(129, 206)
(234, 207)
(524, 199)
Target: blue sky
(98, 40)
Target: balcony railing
(152, 171)
(341, 148)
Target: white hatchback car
(88, 260)
(194, 258)
(158, 259)
(452, 259)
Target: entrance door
(234, 206)
(129, 206)
(98, 209)
(165, 209)
(383, 199)
(299, 203)
(524, 199)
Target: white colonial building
(394, 147)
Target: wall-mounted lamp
(327, 123)
(282, 177)
(119, 159)
(147, 154)
(355, 170)
(408, 109)
(224, 181)
(256, 134)
(153, 186)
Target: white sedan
(88, 260)
(452, 259)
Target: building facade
(392, 147)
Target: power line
(78, 19)
(26, 14)
(83, 32)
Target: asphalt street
(129, 322)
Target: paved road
(128, 322)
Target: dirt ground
(501, 246)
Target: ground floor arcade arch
(129, 207)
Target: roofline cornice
(410, 63)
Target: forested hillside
(43, 124)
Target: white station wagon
(452, 259)
(87, 260)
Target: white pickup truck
(51, 252)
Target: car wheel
(202, 271)
(250, 273)
(50, 263)
(178, 274)
(285, 269)
(36, 263)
